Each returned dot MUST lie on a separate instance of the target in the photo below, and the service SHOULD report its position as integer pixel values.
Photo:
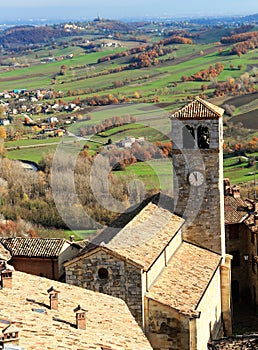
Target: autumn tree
(2, 132)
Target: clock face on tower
(196, 178)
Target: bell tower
(197, 152)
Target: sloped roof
(235, 210)
(34, 247)
(109, 323)
(198, 109)
(243, 342)
(144, 237)
(250, 222)
(185, 279)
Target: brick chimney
(80, 317)
(7, 278)
(226, 186)
(53, 297)
(236, 191)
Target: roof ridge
(191, 112)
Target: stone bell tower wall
(201, 206)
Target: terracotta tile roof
(237, 342)
(146, 235)
(198, 109)
(34, 247)
(250, 222)
(109, 323)
(183, 282)
(235, 210)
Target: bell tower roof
(198, 109)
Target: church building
(171, 268)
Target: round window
(103, 273)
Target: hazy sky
(124, 8)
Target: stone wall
(239, 241)
(123, 280)
(165, 328)
(200, 206)
(209, 324)
(158, 266)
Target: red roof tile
(198, 109)
(34, 247)
(235, 210)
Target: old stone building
(241, 220)
(171, 268)
(40, 256)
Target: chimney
(236, 191)
(10, 335)
(80, 317)
(226, 186)
(72, 238)
(53, 297)
(7, 278)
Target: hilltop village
(128, 185)
(168, 271)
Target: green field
(239, 172)
(153, 174)
(149, 82)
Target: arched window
(203, 137)
(188, 137)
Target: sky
(115, 9)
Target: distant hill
(25, 35)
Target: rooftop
(34, 247)
(235, 210)
(109, 324)
(144, 237)
(242, 342)
(198, 109)
(184, 280)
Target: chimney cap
(79, 309)
(52, 289)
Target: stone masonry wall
(210, 322)
(166, 329)
(201, 206)
(123, 280)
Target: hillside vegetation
(106, 82)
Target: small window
(203, 137)
(236, 258)
(103, 273)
